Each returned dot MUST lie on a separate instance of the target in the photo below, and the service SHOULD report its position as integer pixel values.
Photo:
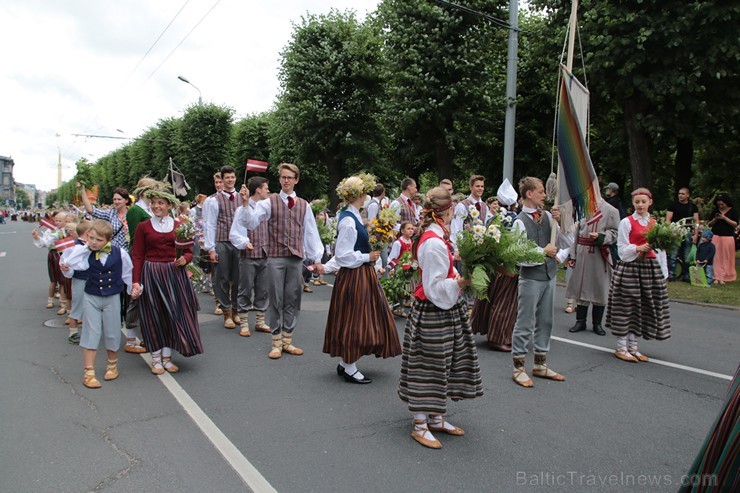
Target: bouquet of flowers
(184, 237)
(665, 236)
(487, 251)
(381, 229)
(327, 232)
(397, 286)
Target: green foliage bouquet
(327, 232)
(489, 251)
(665, 236)
(397, 286)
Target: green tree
(327, 115)
(444, 72)
(21, 199)
(250, 138)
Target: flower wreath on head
(160, 190)
(355, 186)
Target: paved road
(611, 426)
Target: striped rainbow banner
(578, 182)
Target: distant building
(30, 191)
(7, 184)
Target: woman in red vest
(638, 297)
(440, 359)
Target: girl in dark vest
(638, 297)
(108, 273)
(440, 359)
(360, 321)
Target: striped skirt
(168, 309)
(360, 321)
(440, 359)
(638, 301)
(495, 318)
(716, 466)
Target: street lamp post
(200, 100)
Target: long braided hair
(437, 201)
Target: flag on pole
(179, 185)
(257, 166)
(64, 243)
(48, 223)
(579, 185)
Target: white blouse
(344, 249)
(162, 224)
(77, 259)
(434, 262)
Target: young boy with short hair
(705, 252)
(109, 273)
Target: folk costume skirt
(168, 309)
(638, 301)
(360, 321)
(496, 318)
(440, 359)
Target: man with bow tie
(535, 311)
(292, 236)
(218, 215)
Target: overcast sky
(75, 66)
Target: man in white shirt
(374, 206)
(477, 185)
(292, 236)
(218, 214)
(404, 204)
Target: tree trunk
(444, 158)
(684, 158)
(335, 171)
(639, 143)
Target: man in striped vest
(292, 235)
(253, 262)
(404, 204)
(218, 214)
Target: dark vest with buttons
(540, 234)
(362, 243)
(80, 274)
(105, 280)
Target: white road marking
(652, 360)
(7, 232)
(249, 474)
(2, 254)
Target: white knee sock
(351, 370)
(166, 352)
(130, 334)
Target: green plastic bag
(691, 257)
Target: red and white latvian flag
(48, 223)
(64, 243)
(257, 166)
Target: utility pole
(512, 59)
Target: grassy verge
(728, 294)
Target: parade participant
(592, 266)
(535, 310)
(681, 209)
(205, 257)
(109, 272)
(495, 317)
(440, 359)
(137, 213)
(638, 297)
(78, 282)
(374, 206)
(292, 235)
(168, 306)
(477, 185)
(218, 215)
(252, 244)
(116, 216)
(360, 322)
(404, 204)
(724, 221)
(446, 183)
(46, 240)
(400, 246)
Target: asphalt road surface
(233, 420)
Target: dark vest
(540, 234)
(362, 243)
(105, 280)
(80, 274)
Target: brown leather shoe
(228, 321)
(89, 380)
(504, 348)
(625, 356)
(235, 316)
(420, 429)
